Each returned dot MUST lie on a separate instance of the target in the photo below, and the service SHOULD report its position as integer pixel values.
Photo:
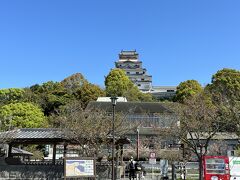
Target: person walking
(131, 168)
(139, 170)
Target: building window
(128, 72)
(137, 72)
(142, 79)
(170, 90)
(139, 84)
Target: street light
(137, 144)
(114, 102)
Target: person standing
(131, 168)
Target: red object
(216, 168)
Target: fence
(41, 170)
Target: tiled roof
(33, 134)
(40, 136)
(132, 107)
(29, 133)
(217, 136)
(131, 52)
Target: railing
(44, 163)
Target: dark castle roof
(128, 54)
(130, 107)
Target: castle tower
(129, 62)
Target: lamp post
(137, 144)
(114, 102)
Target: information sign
(79, 167)
(152, 155)
(234, 166)
(152, 158)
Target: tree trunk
(200, 165)
(173, 171)
(200, 170)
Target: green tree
(145, 97)
(118, 84)
(186, 90)
(134, 94)
(226, 83)
(50, 96)
(11, 95)
(88, 92)
(74, 82)
(21, 115)
(225, 91)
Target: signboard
(152, 161)
(79, 167)
(152, 155)
(234, 166)
(152, 158)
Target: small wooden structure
(49, 136)
(35, 136)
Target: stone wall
(45, 170)
(51, 172)
(31, 172)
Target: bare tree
(90, 129)
(200, 120)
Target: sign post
(152, 160)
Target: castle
(130, 63)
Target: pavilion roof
(42, 136)
(34, 135)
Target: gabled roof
(43, 136)
(34, 135)
(130, 107)
(217, 136)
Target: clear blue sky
(43, 40)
